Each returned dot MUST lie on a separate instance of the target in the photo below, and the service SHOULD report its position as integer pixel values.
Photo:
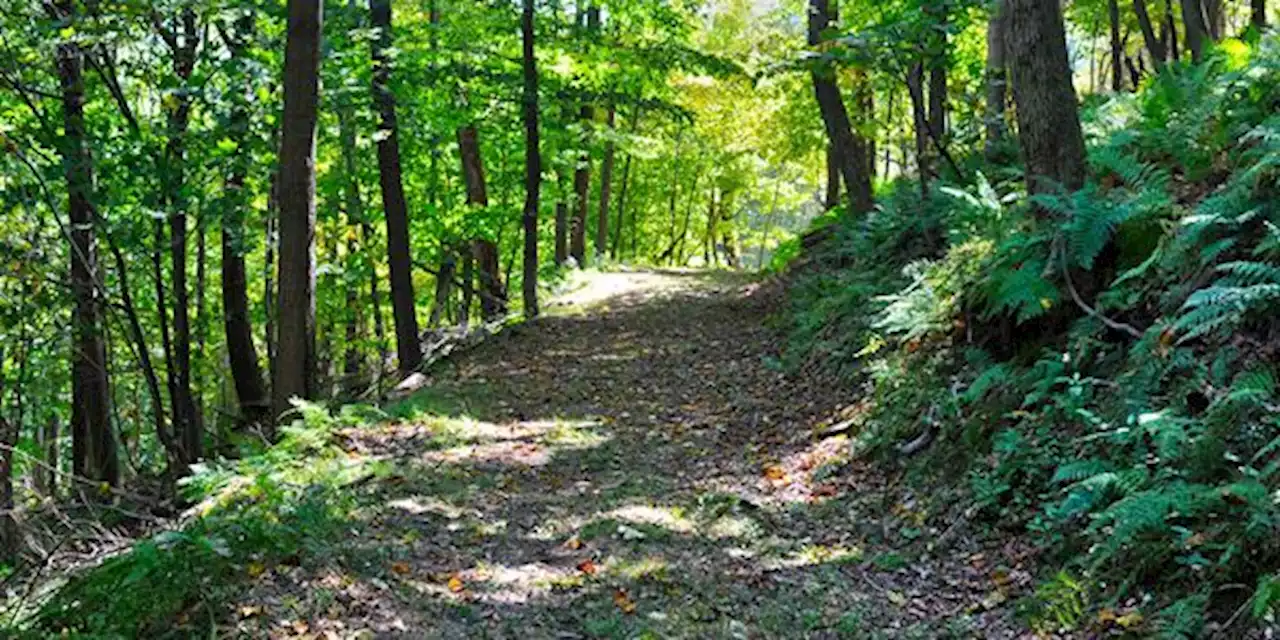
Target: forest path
(629, 466)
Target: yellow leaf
(1130, 620)
(255, 569)
(774, 472)
(249, 611)
(573, 543)
(455, 584)
(623, 602)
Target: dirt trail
(632, 466)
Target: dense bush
(1130, 424)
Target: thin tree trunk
(399, 256)
(581, 186)
(246, 373)
(832, 198)
(94, 447)
(997, 80)
(562, 233)
(493, 303)
(1172, 27)
(850, 148)
(444, 285)
(1258, 13)
(938, 77)
(616, 250)
(183, 42)
(606, 186)
(533, 164)
(295, 368)
(1117, 47)
(920, 122)
(1155, 46)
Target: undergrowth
(286, 504)
(1097, 366)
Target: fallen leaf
(623, 602)
(248, 611)
(455, 584)
(587, 566)
(775, 473)
(400, 568)
(573, 543)
(300, 626)
(255, 569)
(897, 598)
(1130, 620)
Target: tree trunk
(616, 250)
(562, 233)
(444, 286)
(1155, 46)
(920, 122)
(606, 186)
(533, 165)
(581, 184)
(1117, 47)
(1258, 13)
(938, 78)
(850, 149)
(182, 42)
(246, 373)
(1172, 28)
(493, 302)
(997, 80)
(295, 368)
(1048, 119)
(832, 198)
(1195, 31)
(399, 256)
(94, 445)
(1215, 18)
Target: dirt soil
(635, 465)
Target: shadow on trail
(640, 470)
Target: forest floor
(633, 464)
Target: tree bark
(1258, 13)
(1048, 118)
(246, 373)
(493, 303)
(606, 187)
(183, 42)
(997, 80)
(850, 149)
(399, 256)
(1155, 46)
(938, 77)
(1194, 28)
(94, 445)
(562, 233)
(920, 122)
(832, 198)
(1117, 47)
(295, 370)
(581, 185)
(533, 165)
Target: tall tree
(183, 41)
(532, 161)
(997, 79)
(1194, 29)
(1048, 117)
(581, 186)
(493, 295)
(1258, 13)
(246, 373)
(850, 149)
(294, 375)
(1154, 43)
(606, 187)
(399, 259)
(1117, 46)
(93, 441)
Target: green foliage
(1147, 467)
(285, 504)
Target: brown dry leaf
(623, 601)
(455, 584)
(587, 566)
(300, 626)
(573, 543)
(775, 473)
(400, 568)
